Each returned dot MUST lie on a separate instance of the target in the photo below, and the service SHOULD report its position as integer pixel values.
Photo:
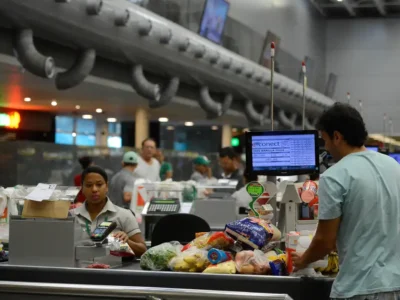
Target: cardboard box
(46, 209)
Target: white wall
(365, 54)
(300, 27)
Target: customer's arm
(128, 190)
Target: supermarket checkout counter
(129, 276)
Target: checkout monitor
(372, 148)
(395, 155)
(282, 153)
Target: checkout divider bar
(128, 292)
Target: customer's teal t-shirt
(364, 190)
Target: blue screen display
(214, 18)
(64, 138)
(396, 156)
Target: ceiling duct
(30, 58)
(289, 122)
(93, 7)
(167, 93)
(255, 118)
(308, 125)
(81, 68)
(213, 108)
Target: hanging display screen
(213, 20)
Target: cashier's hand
(297, 260)
(122, 236)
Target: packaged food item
(191, 260)
(118, 248)
(252, 262)
(309, 191)
(218, 240)
(228, 267)
(216, 256)
(157, 258)
(98, 266)
(278, 265)
(253, 233)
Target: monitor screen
(282, 153)
(396, 156)
(372, 148)
(213, 20)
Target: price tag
(255, 190)
(41, 192)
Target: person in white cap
(122, 183)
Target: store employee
(98, 208)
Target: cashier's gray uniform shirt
(363, 189)
(121, 182)
(125, 219)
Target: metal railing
(128, 292)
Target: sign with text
(10, 120)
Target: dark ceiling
(357, 8)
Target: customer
(85, 162)
(229, 162)
(359, 211)
(202, 170)
(166, 171)
(148, 167)
(242, 197)
(122, 183)
(98, 208)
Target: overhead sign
(10, 120)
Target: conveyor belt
(297, 288)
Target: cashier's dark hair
(97, 170)
(346, 120)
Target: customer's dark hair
(94, 169)
(85, 161)
(149, 140)
(346, 120)
(228, 152)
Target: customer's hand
(122, 236)
(298, 262)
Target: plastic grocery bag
(157, 258)
(206, 241)
(227, 267)
(191, 260)
(118, 248)
(252, 262)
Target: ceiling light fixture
(74, 134)
(87, 117)
(170, 127)
(234, 130)
(189, 124)
(214, 127)
(111, 120)
(162, 120)
(53, 103)
(99, 110)
(77, 107)
(27, 99)
(246, 130)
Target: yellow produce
(192, 260)
(228, 267)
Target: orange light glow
(10, 120)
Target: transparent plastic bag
(191, 260)
(157, 258)
(227, 267)
(252, 262)
(206, 241)
(118, 248)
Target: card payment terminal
(102, 231)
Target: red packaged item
(309, 191)
(98, 266)
(218, 240)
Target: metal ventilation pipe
(254, 117)
(287, 122)
(29, 57)
(308, 125)
(226, 104)
(167, 94)
(211, 107)
(121, 17)
(81, 68)
(144, 87)
(93, 7)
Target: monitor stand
(288, 213)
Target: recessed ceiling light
(163, 120)
(77, 107)
(74, 134)
(54, 103)
(27, 99)
(170, 127)
(339, 0)
(111, 120)
(246, 130)
(87, 117)
(234, 129)
(189, 124)
(99, 110)
(214, 127)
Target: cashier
(98, 208)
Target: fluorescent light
(27, 99)
(163, 120)
(214, 127)
(111, 120)
(53, 103)
(99, 110)
(339, 0)
(170, 127)
(74, 134)
(77, 107)
(87, 117)
(189, 124)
